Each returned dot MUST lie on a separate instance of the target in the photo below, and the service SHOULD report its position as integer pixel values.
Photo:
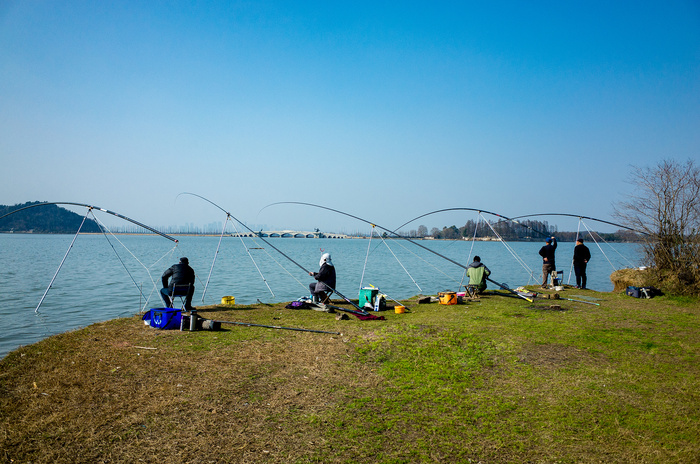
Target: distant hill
(45, 219)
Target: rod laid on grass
(249, 324)
(505, 287)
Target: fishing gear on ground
(173, 319)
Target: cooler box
(367, 295)
(163, 318)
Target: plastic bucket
(228, 300)
(399, 309)
(448, 298)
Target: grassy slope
(501, 380)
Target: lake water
(104, 278)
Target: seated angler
(477, 273)
(325, 280)
(182, 276)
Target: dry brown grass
(122, 392)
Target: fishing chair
(324, 297)
(557, 278)
(472, 291)
(180, 291)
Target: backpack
(643, 292)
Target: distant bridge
(289, 234)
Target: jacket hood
(325, 259)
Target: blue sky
(386, 110)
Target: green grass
(511, 384)
(500, 380)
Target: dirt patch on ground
(552, 356)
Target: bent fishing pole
(386, 230)
(90, 207)
(276, 249)
(579, 217)
(513, 220)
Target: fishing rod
(275, 248)
(248, 324)
(505, 287)
(471, 209)
(383, 228)
(582, 217)
(90, 207)
(580, 301)
(90, 210)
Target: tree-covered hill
(44, 219)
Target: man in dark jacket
(182, 275)
(581, 257)
(548, 265)
(325, 277)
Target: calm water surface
(105, 278)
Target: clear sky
(385, 110)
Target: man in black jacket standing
(581, 257)
(548, 265)
(180, 274)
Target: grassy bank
(500, 380)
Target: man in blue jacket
(548, 265)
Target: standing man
(182, 276)
(548, 265)
(581, 257)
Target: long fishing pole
(581, 217)
(92, 208)
(580, 301)
(505, 287)
(386, 230)
(275, 248)
(248, 324)
(472, 209)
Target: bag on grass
(163, 318)
(643, 292)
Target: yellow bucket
(399, 309)
(448, 298)
(228, 300)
